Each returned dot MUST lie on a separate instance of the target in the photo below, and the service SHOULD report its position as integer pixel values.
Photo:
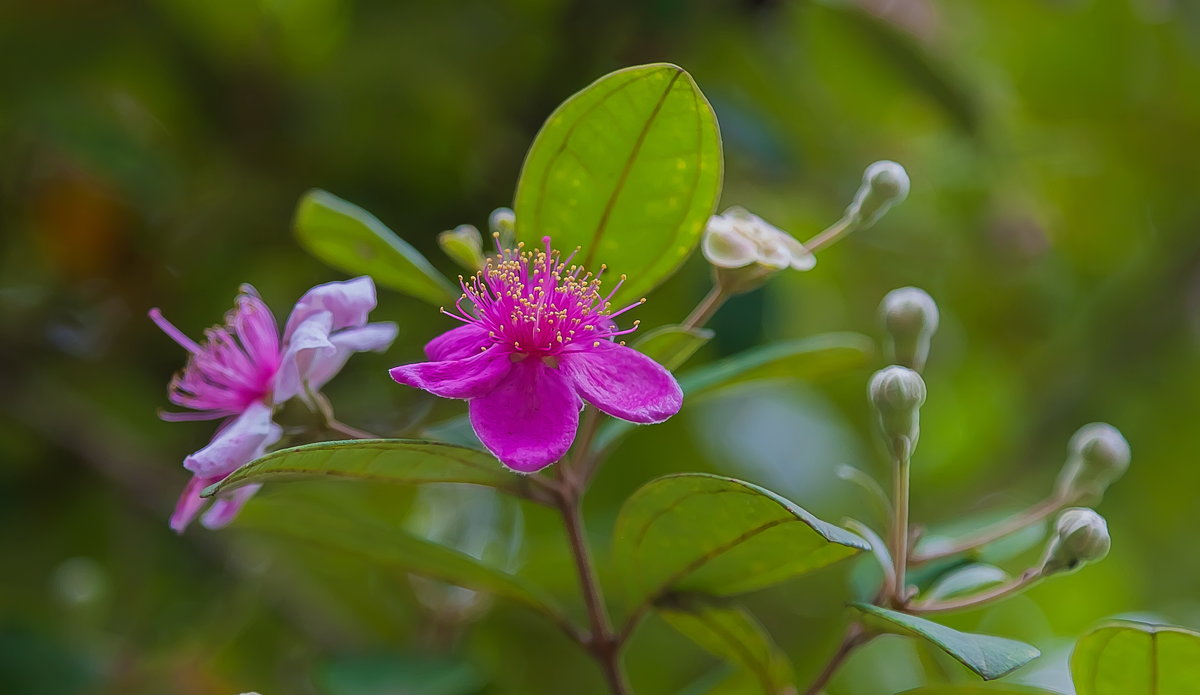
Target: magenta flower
(242, 370)
(538, 342)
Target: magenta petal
(458, 343)
(623, 382)
(226, 507)
(239, 442)
(529, 420)
(190, 502)
(467, 378)
(348, 304)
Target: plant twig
(856, 636)
(900, 476)
(1027, 578)
(994, 532)
(708, 306)
(830, 234)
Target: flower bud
(464, 245)
(745, 250)
(1097, 456)
(1080, 537)
(884, 184)
(898, 394)
(911, 318)
(502, 224)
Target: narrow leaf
(353, 240)
(673, 345)
(989, 657)
(628, 169)
(1128, 658)
(694, 532)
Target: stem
(585, 461)
(831, 234)
(994, 532)
(855, 637)
(352, 432)
(707, 307)
(900, 475)
(1019, 584)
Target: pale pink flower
(243, 369)
(537, 342)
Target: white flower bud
(884, 184)
(738, 238)
(911, 318)
(503, 222)
(464, 245)
(1080, 537)
(898, 394)
(1097, 456)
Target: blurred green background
(151, 154)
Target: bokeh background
(151, 154)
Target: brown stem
(831, 234)
(994, 532)
(707, 307)
(855, 637)
(1019, 584)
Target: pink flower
(243, 369)
(537, 343)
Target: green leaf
(672, 345)
(979, 689)
(694, 532)
(806, 358)
(1128, 658)
(965, 580)
(403, 461)
(353, 240)
(388, 546)
(731, 633)
(628, 169)
(989, 657)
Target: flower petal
(239, 442)
(325, 364)
(622, 382)
(724, 247)
(348, 304)
(466, 378)
(529, 420)
(225, 508)
(457, 343)
(190, 502)
(308, 344)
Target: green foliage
(964, 580)
(733, 634)
(693, 532)
(353, 240)
(978, 689)
(1128, 658)
(989, 657)
(629, 169)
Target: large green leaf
(388, 546)
(628, 169)
(672, 345)
(807, 358)
(1127, 658)
(694, 532)
(979, 689)
(353, 240)
(989, 657)
(731, 633)
(404, 461)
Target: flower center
(536, 303)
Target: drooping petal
(725, 247)
(256, 330)
(225, 508)
(308, 344)
(529, 420)
(458, 343)
(190, 502)
(622, 382)
(800, 258)
(348, 303)
(239, 442)
(472, 377)
(325, 364)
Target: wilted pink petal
(190, 502)
(622, 382)
(226, 507)
(240, 441)
(458, 343)
(308, 344)
(347, 302)
(529, 420)
(375, 337)
(467, 378)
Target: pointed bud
(464, 245)
(884, 184)
(911, 318)
(898, 394)
(1097, 456)
(1080, 537)
(503, 222)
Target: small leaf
(629, 170)
(403, 461)
(965, 580)
(1128, 658)
(695, 532)
(673, 345)
(353, 240)
(730, 633)
(388, 546)
(979, 689)
(989, 657)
